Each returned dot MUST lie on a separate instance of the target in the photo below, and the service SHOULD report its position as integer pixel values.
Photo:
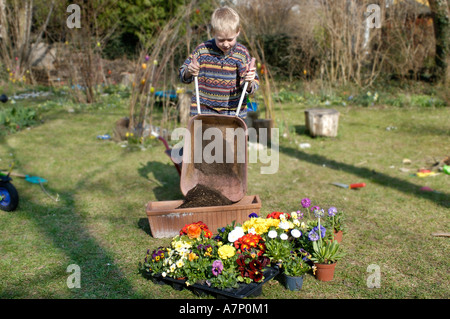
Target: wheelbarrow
(168, 152)
(226, 174)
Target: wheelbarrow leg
(168, 151)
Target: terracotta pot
(325, 272)
(338, 236)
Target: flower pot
(338, 235)
(293, 283)
(325, 272)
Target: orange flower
(196, 227)
(192, 256)
(193, 231)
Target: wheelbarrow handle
(252, 65)
(197, 96)
(242, 98)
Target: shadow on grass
(167, 180)
(442, 199)
(66, 227)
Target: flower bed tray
(166, 219)
(243, 291)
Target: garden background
(66, 87)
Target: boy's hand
(193, 67)
(251, 72)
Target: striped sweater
(220, 79)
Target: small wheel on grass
(9, 198)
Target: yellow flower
(226, 251)
(192, 256)
(260, 225)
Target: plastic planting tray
(243, 291)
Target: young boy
(222, 66)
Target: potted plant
(325, 254)
(277, 249)
(335, 221)
(153, 264)
(295, 267)
(325, 250)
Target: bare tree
(16, 39)
(441, 22)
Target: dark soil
(203, 196)
(216, 168)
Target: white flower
(180, 263)
(272, 234)
(252, 231)
(296, 233)
(294, 215)
(284, 236)
(284, 225)
(296, 222)
(172, 268)
(235, 234)
(282, 217)
(164, 274)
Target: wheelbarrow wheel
(9, 198)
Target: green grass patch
(99, 222)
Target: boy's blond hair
(225, 19)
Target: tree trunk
(441, 23)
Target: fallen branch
(440, 234)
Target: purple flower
(253, 215)
(319, 213)
(299, 214)
(322, 230)
(306, 202)
(302, 251)
(313, 236)
(332, 211)
(315, 208)
(217, 267)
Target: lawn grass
(99, 222)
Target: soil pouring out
(203, 196)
